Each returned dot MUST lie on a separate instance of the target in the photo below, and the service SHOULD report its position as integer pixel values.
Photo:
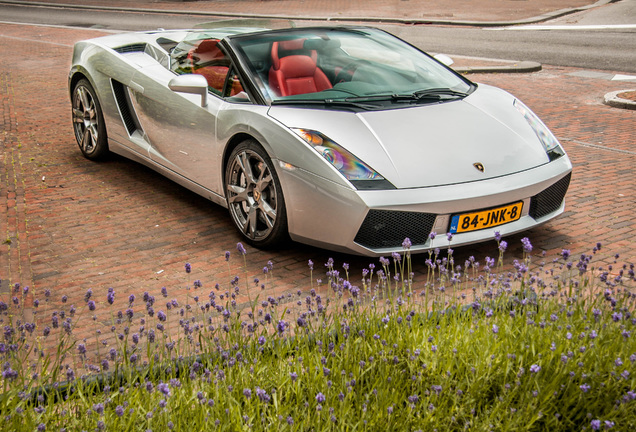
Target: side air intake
(121, 96)
(548, 201)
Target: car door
(181, 132)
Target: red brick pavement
(71, 224)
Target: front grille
(388, 229)
(550, 199)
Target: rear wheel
(254, 196)
(88, 121)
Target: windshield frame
(254, 52)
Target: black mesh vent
(550, 199)
(388, 229)
(124, 108)
(139, 47)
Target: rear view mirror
(191, 83)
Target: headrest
(297, 66)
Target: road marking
(567, 27)
(598, 147)
(36, 40)
(62, 27)
(624, 78)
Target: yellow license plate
(485, 218)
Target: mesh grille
(388, 229)
(550, 199)
(139, 47)
(126, 115)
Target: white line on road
(567, 27)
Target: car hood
(433, 144)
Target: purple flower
(320, 398)
(282, 325)
(261, 340)
(91, 305)
(99, 408)
(535, 368)
(227, 255)
(503, 245)
(164, 389)
(119, 410)
(262, 394)
(161, 315)
(110, 297)
(188, 268)
(584, 388)
(432, 235)
(164, 292)
(527, 246)
(495, 328)
(595, 425)
(247, 393)
(406, 244)
(241, 248)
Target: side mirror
(444, 59)
(191, 83)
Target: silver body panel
(427, 152)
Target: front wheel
(254, 196)
(88, 121)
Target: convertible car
(346, 138)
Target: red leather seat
(296, 73)
(208, 60)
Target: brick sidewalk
(72, 224)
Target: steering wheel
(347, 72)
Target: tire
(254, 196)
(88, 121)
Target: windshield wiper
(434, 93)
(347, 102)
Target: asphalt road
(604, 48)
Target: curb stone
(514, 67)
(613, 100)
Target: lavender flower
(241, 248)
(320, 398)
(527, 246)
(535, 368)
(188, 268)
(406, 244)
(262, 394)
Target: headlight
(547, 138)
(353, 169)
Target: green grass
(546, 348)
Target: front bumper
(375, 223)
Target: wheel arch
(234, 141)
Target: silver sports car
(346, 138)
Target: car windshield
(345, 66)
